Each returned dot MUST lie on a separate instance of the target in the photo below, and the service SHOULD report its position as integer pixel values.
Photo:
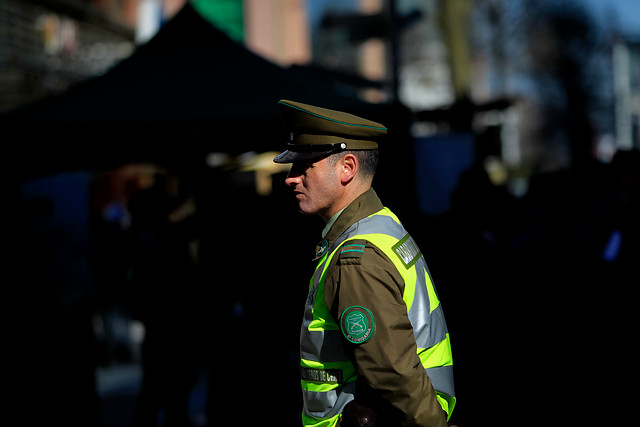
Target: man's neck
(348, 197)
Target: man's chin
(306, 210)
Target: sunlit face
(315, 186)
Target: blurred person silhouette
(235, 251)
(476, 231)
(164, 291)
(557, 299)
(57, 351)
(110, 255)
(619, 250)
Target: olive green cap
(317, 132)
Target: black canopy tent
(189, 90)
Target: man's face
(315, 186)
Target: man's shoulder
(362, 252)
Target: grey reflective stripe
(433, 331)
(322, 346)
(428, 328)
(311, 298)
(376, 224)
(442, 379)
(327, 404)
(419, 315)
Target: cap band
(317, 148)
(320, 139)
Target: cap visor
(290, 156)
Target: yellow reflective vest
(327, 372)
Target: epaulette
(352, 249)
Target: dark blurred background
(157, 266)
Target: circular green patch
(357, 324)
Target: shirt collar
(333, 219)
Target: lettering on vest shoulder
(407, 251)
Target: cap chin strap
(317, 148)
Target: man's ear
(348, 168)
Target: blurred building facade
(48, 45)
(570, 67)
(489, 67)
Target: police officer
(374, 344)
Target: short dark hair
(367, 160)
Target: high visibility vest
(328, 375)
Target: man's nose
(292, 179)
